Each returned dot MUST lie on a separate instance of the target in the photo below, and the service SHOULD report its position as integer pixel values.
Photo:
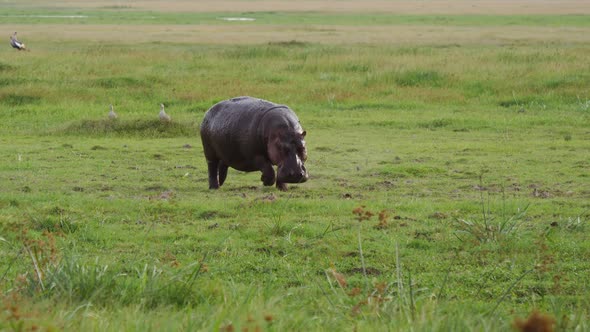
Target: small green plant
(490, 228)
(278, 228)
(584, 104)
(63, 224)
(575, 224)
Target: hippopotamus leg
(222, 169)
(213, 168)
(268, 177)
(268, 173)
(281, 186)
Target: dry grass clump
(536, 322)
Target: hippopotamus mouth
(292, 175)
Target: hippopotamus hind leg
(222, 169)
(213, 169)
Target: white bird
(112, 114)
(163, 116)
(15, 43)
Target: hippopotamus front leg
(281, 186)
(268, 173)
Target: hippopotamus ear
(303, 134)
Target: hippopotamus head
(286, 149)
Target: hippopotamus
(251, 134)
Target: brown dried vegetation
(536, 322)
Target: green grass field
(449, 181)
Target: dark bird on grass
(15, 43)
(163, 116)
(112, 114)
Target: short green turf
(469, 165)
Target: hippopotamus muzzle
(296, 173)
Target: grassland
(404, 7)
(469, 148)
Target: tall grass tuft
(5, 67)
(490, 228)
(254, 52)
(141, 128)
(420, 78)
(103, 285)
(119, 82)
(13, 99)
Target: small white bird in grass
(15, 43)
(163, 116)
(112, 114)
